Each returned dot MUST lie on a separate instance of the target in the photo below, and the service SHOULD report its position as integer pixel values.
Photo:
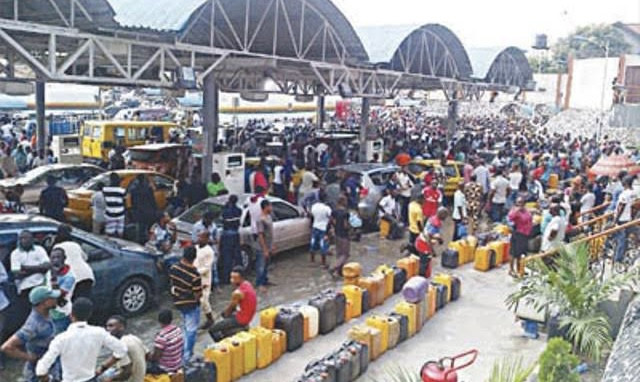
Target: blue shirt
(199, 226)
(36, 333)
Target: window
(118, 133)
(450, 171)
(86, 131)
(93, 252)
(380, 178)
(196, 213)
(132, 134)
(282, 211)
(70, 176)
(97, 132)
(162, 183)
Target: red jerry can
(437, 371)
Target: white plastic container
(313, 315)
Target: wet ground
(478, 320)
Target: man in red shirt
(432, 199)
(240, 310)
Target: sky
(493, 23)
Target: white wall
(546, 85)
(587, 83)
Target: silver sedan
(291, 225)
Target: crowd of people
(505, 164)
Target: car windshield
(197, 211)
(92, 184)
(142, 155)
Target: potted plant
(568, 288)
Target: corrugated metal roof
(381, 42)
(481, 60)
(161, 15)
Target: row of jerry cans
(381, 284)
(196, 371)
(345, 364)
(460, 252)
(245, 352)
(423, 299)
(324, 312)
(492, 255)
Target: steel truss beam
(62, 54)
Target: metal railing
(595, 242)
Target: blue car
(128, 276)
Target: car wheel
(247, 258)
(133, 296)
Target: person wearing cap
(29, 265)
(32, 340)
(80, 346)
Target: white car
(291, 225)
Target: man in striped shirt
(186, 289)
(114, 197)
(168, 345)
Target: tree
(543, 65)
(600, 34)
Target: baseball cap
(41, 293)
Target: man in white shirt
(587, 202)
(80, 346)
(482, 176)
(133, 367)
(29, 265)
(459, 214)
(207, 265)
(255, 211)
(405, 184)
(553, 236)
(624, 214)
(321, 215)
(278, 180)
(306, 184)
(498, 196)
(515, 178)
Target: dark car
(128, 276)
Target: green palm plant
(568, 288)
(510, 370)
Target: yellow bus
(99, 137)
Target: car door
(105, 270)
(290, 228)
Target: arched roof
(305, 29)
(510, 68)
(432, 50)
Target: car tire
(247, 258)
(133, 296)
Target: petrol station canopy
(306, 47)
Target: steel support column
(41, 132)
(364, 129)
(320, 112)
(210, 111)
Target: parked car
(373, 179)
(452, 172)
(291, 226)
(69, 176)
(78, 212)
(128, 276)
